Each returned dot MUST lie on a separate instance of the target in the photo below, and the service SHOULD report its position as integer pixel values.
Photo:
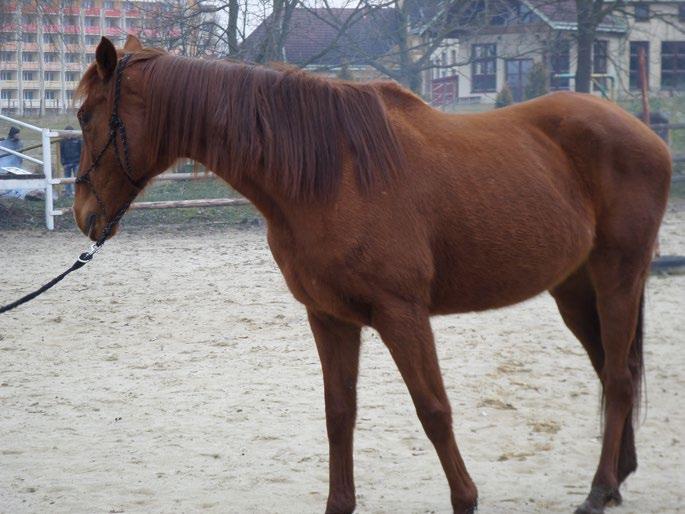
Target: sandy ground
(176, 373)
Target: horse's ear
(105, 58)
(132, 44)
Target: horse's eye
(83, 116)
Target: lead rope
(115, 125)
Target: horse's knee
(436, 418)
(339, 423)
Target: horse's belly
(505, 269)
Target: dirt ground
(176, 373)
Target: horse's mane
(290, 125)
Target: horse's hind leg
(618, 278)
(406, 331)
(338, 345)
(577, 303)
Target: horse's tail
(627, 457)
(636, 361)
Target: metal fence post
(47, 171)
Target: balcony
(93, 11)
(9, 103)
(52, 84)
(112, 13)
(10, 84)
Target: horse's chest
(308, 281)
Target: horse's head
(113, 167)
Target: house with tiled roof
(314, 40)
(477, 60)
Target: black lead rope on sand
(116, 127)
(82, 260)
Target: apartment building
(46, 46)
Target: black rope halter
(116, 128)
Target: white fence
(45, 181)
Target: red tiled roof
(313, 36)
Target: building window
(7, 56)
(109, 4)
(6, 75)
(71, 58)
(28, 56)
(112, 23)
(28, 75)
(92, 40)
(90, 57)
(673, 65)
(28, 19)
(49, 39)
(561, 65)
(70, 94)
(28, 37)
(71, 39)
(50, 94)
(92, 21)
(634, 72)
(484, 68)
(681, 12)
(70, 20)
(600, 57)
(29, 94)
(50, 57)
(87, 4)
(51, 76)
(5, 94)
(641, 12)
(70, 76)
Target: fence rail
(46, 182)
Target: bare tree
(415, 29)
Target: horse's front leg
(338, 345)
(406, 331)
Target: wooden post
(644, 85)
(646, 113)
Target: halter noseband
(116, 127)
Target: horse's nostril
(91, 222)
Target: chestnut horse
(382, 211)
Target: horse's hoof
(599, 498)
(470, 509)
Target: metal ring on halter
(88, 255)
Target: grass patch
(23, 214)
